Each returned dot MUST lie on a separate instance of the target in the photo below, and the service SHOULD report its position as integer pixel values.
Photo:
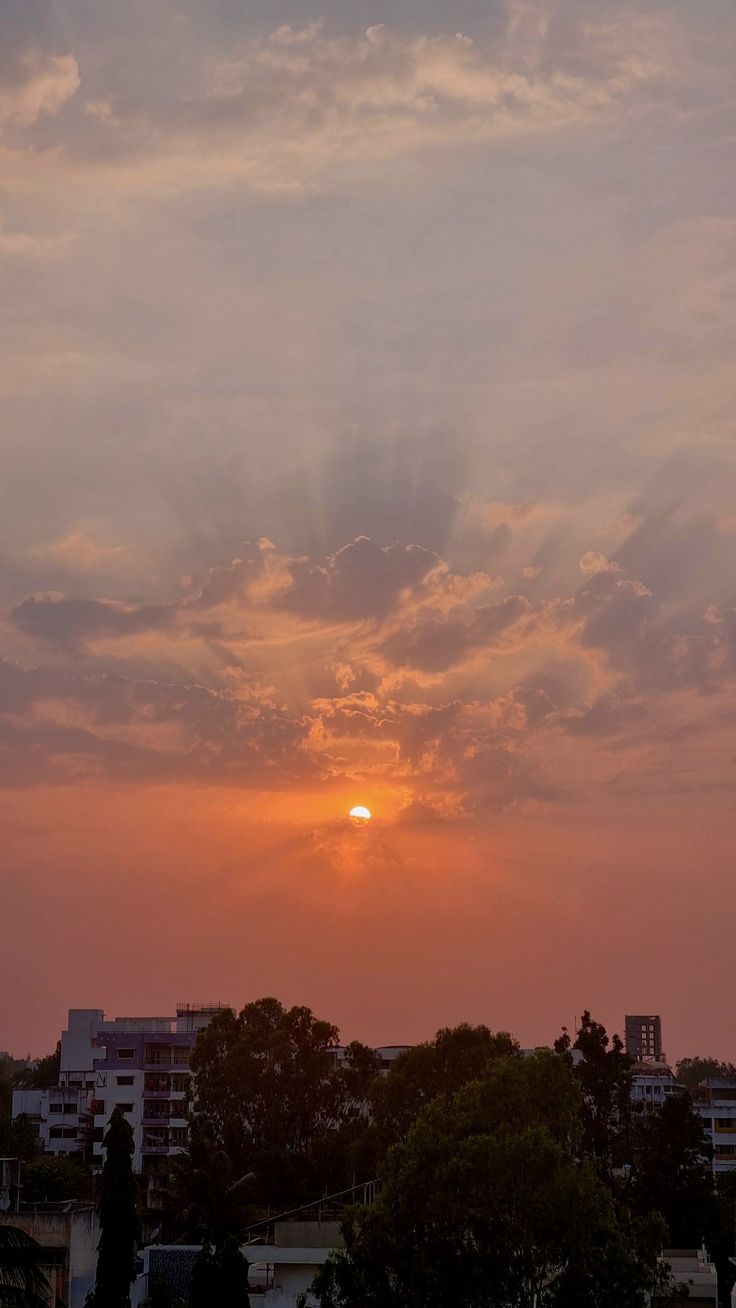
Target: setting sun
(360, 813)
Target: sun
(360, 814)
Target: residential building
(643, 1038)
(715, 1101)
(67, 1233)
(692, 1268)
(140, 1064)
(284, 1254)
(652, 1084)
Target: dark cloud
(607, 715)
(59, 620)
(228, 582)
(362, 580)
(53, 724)
(434, 641)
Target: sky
(367, 437)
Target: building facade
(139, 1064)
(715, 1102)
(643, 1038)
(652, 1084)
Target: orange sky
(367, 438)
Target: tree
(161, 1297)
(22, 1284)
(119, 1229)
(51, 1180)
(691, 1072)
(220, 1276)
(19, 1139)
(41, 1074)
(207, 1201)
(671, 1172)
(441, 1066)
(605, 1078)
(268, 1091)
(487, 1204)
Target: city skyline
(368, 443)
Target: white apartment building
(140, 1064)
(652, 1084)
(715, 1101)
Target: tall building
(643, 1036)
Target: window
(178, 1137)
(63, 1133)
(126, 1080)
(126, 1053)
(158, 1055)
(98, 1107)
(55, 1108)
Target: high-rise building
(643, 1035)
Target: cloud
(36, 77)
(60, 620)
(58, 726)
(592, 563)
(284, 111)
(80, 551)
(433, 642)
(362, 580)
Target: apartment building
(715, 1101)
(652, 1084)
(140, 1064)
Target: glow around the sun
(360, 813)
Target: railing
(330, 1208)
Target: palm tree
(22, 1283)
(207, 1198)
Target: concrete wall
(76, 1232)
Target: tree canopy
(691, 1072)
(270, 1093)
(22, 1283)
(488, 1203)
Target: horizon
(367, 586)
(345, 1036)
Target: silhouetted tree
(51, 1180)
(441, 1066)
(672, 1174)
(19, 1139)
(604, 1074)
(269, 1092)
(22, 1284)
(119, 1229)
(487, 1203)
(691, 1072)
(207, 1201)
(220, 1277)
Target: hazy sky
(368, 437)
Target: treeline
(503, 1179)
